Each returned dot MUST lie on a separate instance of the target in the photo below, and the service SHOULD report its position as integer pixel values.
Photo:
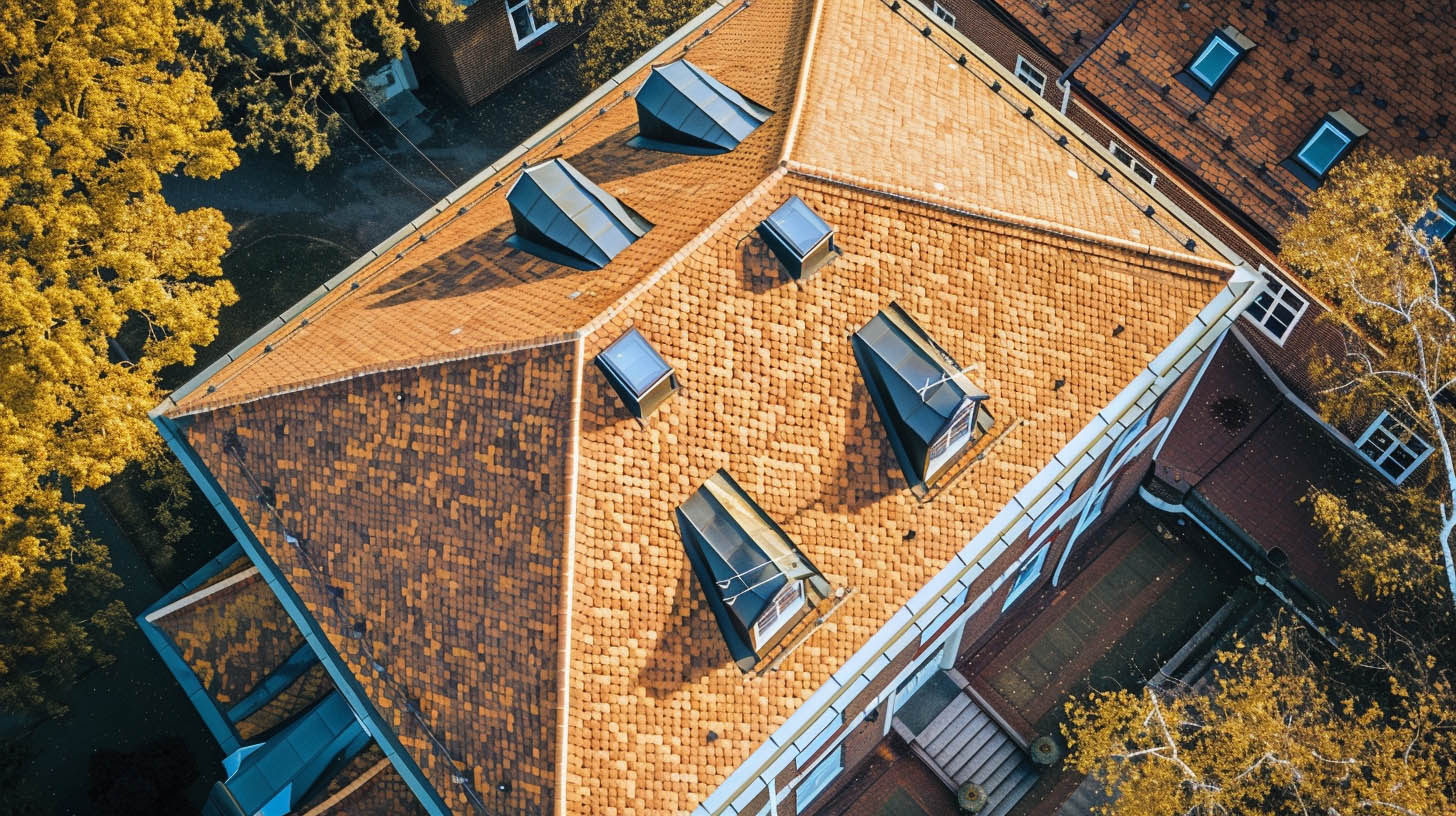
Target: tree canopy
(1288, 727)
(1366, 248)
(102, 285)
(272, 62)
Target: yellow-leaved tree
(102, 285)
(272, 63)
(1370, 245)
(1287, 726)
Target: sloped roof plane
(504, 538)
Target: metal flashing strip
(231, 580)
(903, 629)
(212, 714)
(339, 672)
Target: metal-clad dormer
(561, 216)
(682, 109)
(757, 582)
(798, 237)
(932, 411)
(637, 373)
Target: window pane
(1214, 62)
(1323, 148)
(524, 22)
(1260, 306)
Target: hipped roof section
(433, 459)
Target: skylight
(637, 373)
(1213, 63)
(1330, 140)
(929, 407)
(561, 216)
(798, 237)
(1439, 223)
(757, 583)
(682, 109)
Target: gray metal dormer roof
(561, 216)
(681, 108)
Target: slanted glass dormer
(931, 411)
(757, 582)
(562, 217)
(682, 109)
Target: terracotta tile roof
(233, 637)
(446, 506)
(366, 786)
(1388, 63)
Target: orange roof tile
(483, 515)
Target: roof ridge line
(616, 308)
(492, 350)
(801, 89)
(568, 581)
(959, 207)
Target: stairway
(963, 743)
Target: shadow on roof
(679, 658)
(478, 265)
(611, 158)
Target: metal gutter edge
(342, 676)
(901, 631)
(505, 162)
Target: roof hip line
(802, 89)
(950, 205)
(568, 581)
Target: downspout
(1065, 80)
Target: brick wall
(477, 56)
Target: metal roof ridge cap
(504, 163)
(681, 255)
(801, 91)
(959, 207)
(488, 350)
(563, 653)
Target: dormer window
(1213, 63)
(637, 373)
(757, 582)
(798, 238)
(561, 216)
(1330, 140)
(932, 412)
(682, 109)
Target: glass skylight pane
(634, 359)
(1437, 225)
(1323, 148)
(1214, 62)
(799, 225)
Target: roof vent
(682, 109)
(638, 373)
(931, 409)
(758, 584)
(564, 218)
(798, 237)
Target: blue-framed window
(1025, 577)
(1439, 223)
(815, 781)
(1326, 144)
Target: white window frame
(785, 606)
(1030, 75)
(916, 681)
(943, 13)
(818, 779)
(1277, 290)
(1132, 163)
(1440, 214)
(1325, 124)
(537, 29)
(1376, 461)
(1026, 576)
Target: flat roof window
(798, 237)
(638, 373)
(1276, 309)
(1439, 223)
(1029, 74)
(1326, 144)
(1392, 447)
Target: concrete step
(1001, 804)
(945, 719)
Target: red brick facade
(478, 56)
